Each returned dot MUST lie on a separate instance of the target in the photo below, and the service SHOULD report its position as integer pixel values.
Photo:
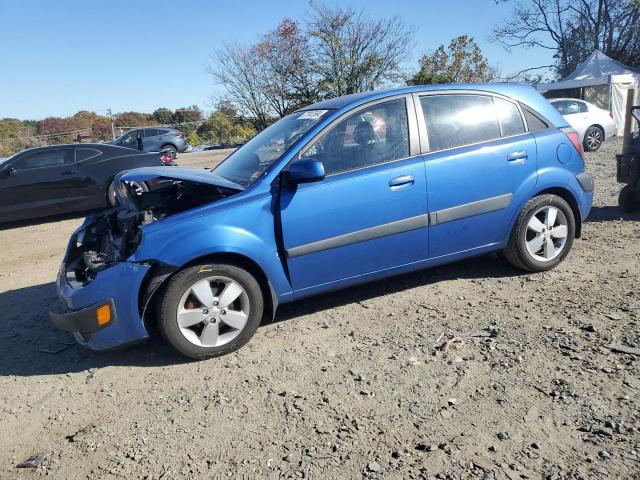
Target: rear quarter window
(535, 123)
(86, 153)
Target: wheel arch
(568, 197)
(156, 280)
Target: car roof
(99, 146)
(343, 101)
(521, 92)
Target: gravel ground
(470, 370)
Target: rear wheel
(593, 138)
(543, 234)
(171, 151)
(210, 310)
(629, 199)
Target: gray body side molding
(370, 233)
(470, 209)
(405, 225)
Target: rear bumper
(585, 199)
(117, 286)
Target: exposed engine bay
(113, 235)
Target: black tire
(176, 287)
(517, 253)
(629, 199)
(593, 138)
(170, 150)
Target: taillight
(181, 134)
(575, 139)
(611, 114)
(166, 159)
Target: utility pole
(113, 131)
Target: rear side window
(150, 132)
(534, 122)
(509, 117)
(163, 131)
(45, 159)
(457, 120)
(86, 153)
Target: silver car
(592, 123)
(154, 139)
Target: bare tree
(354, 53)
(236, 68)
(287, 78)
(572, 29)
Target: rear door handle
(403, 181)
(69, 172)
(518, 155)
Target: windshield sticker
(312, 114)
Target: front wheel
(543, 234)
(210, 310)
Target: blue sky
(58, 57)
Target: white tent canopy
(604, 82)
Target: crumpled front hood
(200, 175)
(157, 174)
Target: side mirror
(6, 171)
(305, 170)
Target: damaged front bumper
(116, 286)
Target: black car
(62, 179)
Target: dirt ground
(470, 370)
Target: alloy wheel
(594, 138)
(546, 234)
(213, 311)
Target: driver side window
(45, 159)
(130, 138)
(371, 136)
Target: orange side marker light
(103, 315)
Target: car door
(369, 212)
(43, 182)
(480, 165)
(129, 140)
(150, 140)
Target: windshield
(249, 162)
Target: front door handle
(518, 155)
(402, 181)
(69, 172)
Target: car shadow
(610, 213)
(31, 345)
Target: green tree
(188, 115)
(163, 116)
(461, 62)
(224, 126)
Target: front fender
(187, 241)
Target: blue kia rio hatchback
(337, 193)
